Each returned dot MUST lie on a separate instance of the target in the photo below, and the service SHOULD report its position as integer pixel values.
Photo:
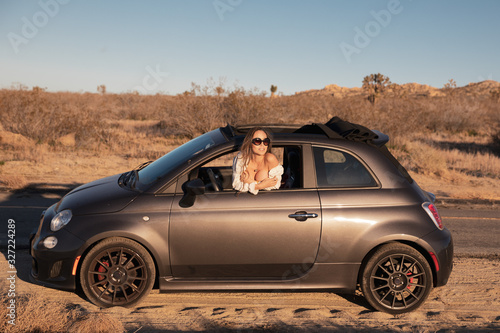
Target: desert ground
(448, 139)
(470, 302)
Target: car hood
(98, 197)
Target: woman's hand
(245, 177)
(268, 182)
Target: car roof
(335, 128)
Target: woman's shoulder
(238, 159)
(271, 159)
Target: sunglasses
(259, 141)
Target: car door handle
(302, 216)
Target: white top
(239, 167)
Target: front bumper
(53, 267)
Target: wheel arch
(414, 245)
(96, 240)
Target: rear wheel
(117, 272)
(396, 279)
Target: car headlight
(60, 220)
(50, 242)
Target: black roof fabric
(337, 128)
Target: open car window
(221, 170)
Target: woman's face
(261, 149)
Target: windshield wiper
(135, 173)
(131, 177)
(142, 166)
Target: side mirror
(191, 190)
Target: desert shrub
(495, 140)
(45, 117)
(38, 314)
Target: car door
(226, 234)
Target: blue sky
(163, 46)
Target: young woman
(255, 167)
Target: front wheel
(396, 279)
(117, 272)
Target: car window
(178, 156)
(221, 169)
(336, 168)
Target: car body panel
(228, 235)
(98, 197)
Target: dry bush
(37, 314)
(95, 323)
(495, 141)
(476, 164)
(145, 126)
(421, 158)
(45, 117)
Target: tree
(101, 89)
(450, 87)
(273, 90)
(219, 91)
(375, 85)
(450, 84)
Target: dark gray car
(348, 215)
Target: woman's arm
(275, 172)
(238, 185)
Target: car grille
(56, 269)
(34, 267)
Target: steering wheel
(211, 176)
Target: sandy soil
(470, 302)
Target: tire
(117, 272)
(396, 279)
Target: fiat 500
(347, 216)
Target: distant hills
(409, 89)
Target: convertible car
(347, 216)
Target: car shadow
(23, 207)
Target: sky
(163, 46)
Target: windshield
(162, 166)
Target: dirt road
(469, 303)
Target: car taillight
(434, 214)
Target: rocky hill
(483, 88)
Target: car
(347, 217)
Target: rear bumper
(440, 243)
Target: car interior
(217, 174)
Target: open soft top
(335, 128)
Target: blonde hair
(246, 146)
